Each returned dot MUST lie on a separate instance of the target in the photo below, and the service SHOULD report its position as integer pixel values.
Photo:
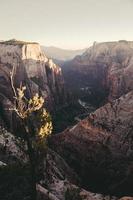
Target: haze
(66, 24)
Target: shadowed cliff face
(100, 148)
(32, 69)
(104, 71)
(56, 180)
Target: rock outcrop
(100, 147)
(32, 69)
(11, 148)
(104, 71)
(59, 181)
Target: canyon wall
(105, 69)
(100, 147)
(31, 69)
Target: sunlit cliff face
(30, 62)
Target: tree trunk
(32, 159)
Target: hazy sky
(66, 23)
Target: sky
(68, 24)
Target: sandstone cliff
(32, 69)
(100, 147)
(104, 71)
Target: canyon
(100, 147)
(104, 72)
(91, 159)
(61, 55)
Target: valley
(90, 98)
(66, 100)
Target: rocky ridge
(60, 181)
(104, 71)
(100, 147)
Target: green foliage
(65, 116)
(16, 42)
(25, 108)
(37, 125)
(123, 41)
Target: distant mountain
(61, 54)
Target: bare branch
(12, 82)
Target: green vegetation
(36, 124)
(123, 41)
(65, 116)
(16, 42)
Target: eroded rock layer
(100, 147)
(31, 69)
(103, 72)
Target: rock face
(59, 181)
(100, 147)
(32, 69)
(11, 149)
(104, 71)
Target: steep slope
(32, 69)
(56, 183)
(104, 71)
(100, 148)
